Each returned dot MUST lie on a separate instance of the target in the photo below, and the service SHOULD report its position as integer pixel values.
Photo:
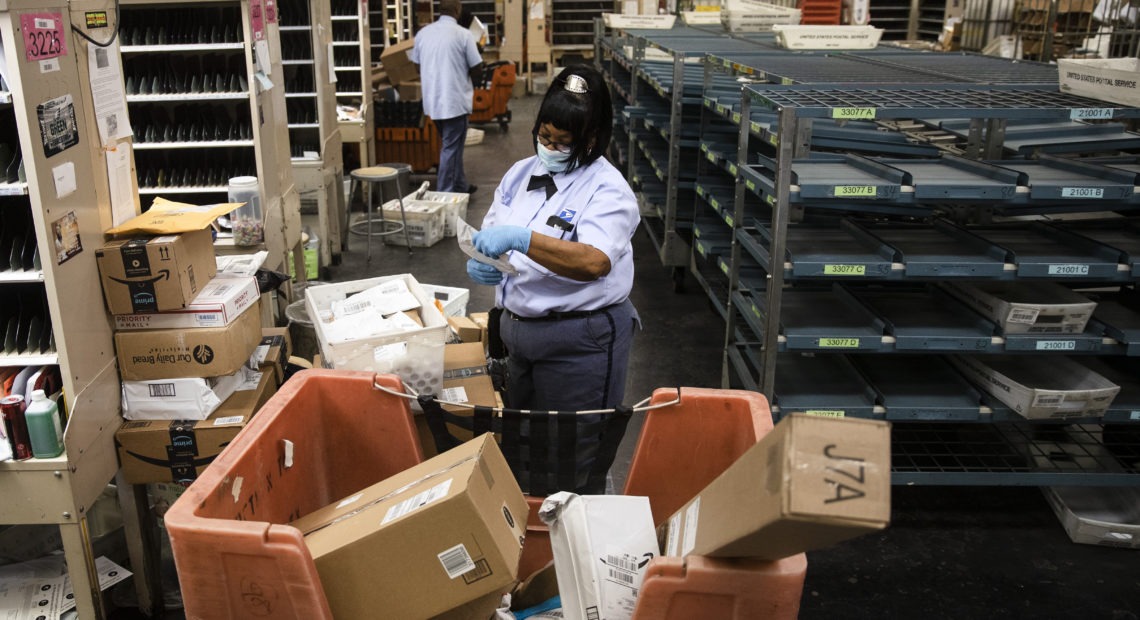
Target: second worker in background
(449, 62)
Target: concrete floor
(950, 552)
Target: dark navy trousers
(452, 137)
(572, 364)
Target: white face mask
(554, 161)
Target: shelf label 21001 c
(1069, 270)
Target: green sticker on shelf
(853, 114)
(787, 81)
(704, 147)
(756, 311)
(839, 343)
(724, 267)
(715, 203)
(732, 168)
(827, 413)
(773, 139)
(755, 127)
(736, 117)
(770, 199)
(726, 62)
(844, 270)
(696, 231)
(855, 191)
(750, 184)
(721, 108)
(709, 155)
(729, 220)
(701, 250)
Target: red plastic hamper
(323, 436)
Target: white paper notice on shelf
(261, 48)
(64, 177)
(41, 589)
(107, 93)
(121, 180)
(538, 9)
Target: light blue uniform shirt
(445, 52)
(600, 205)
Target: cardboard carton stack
(183, 339)
(1071, 26)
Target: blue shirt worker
(565, 218)
(449, 62)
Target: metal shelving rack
(195, 83)
(310, 103)
(351, 56)
(827, 173)
(572, 24)
(60, 491)
(856, 334)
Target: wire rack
(969, 67)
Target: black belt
(560, 316)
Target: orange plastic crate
(415, 146)
(236, 557)
(680, 451)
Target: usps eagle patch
(567, 215)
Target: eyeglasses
(557, 146)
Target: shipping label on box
(221, 301)
(155, 274)
(179, 450)
(437, 536)
(192, 352)
(809, 483)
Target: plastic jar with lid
(247, 220)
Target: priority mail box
(180, 450)
(221, 301)
(154, 274)
(808, 484)
(191, 352)
(432, 538)
(1027, 307)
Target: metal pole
(742, 140)
(784, 154)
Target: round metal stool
(370, 179)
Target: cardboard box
(155, 274)
(602, 545)
(808, 484)
(410, 90)
(273, 352)
(193, 352)
(466, 329)
(189, 398)
(465, 377)
(180, 450)
(397, 64)
(1040, 388)
(1026, 307)
(437, 536)
(221, 301)
(1107, 79)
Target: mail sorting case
(323, 436)
(682, 448)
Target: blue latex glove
(483, 274)
(498, 240)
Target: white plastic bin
(1108, 79)
(424, 220)
(415, 355)
(454, 299)
(454, 205)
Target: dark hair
(583, 115)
